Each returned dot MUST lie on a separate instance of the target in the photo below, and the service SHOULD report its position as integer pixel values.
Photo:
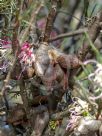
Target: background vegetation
(50, 67)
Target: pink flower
(26, 55)
(25, 46)
(72, 122)
(5, 42)
(4, 66)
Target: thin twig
(69, 34)
(50, 20)
(60, 115)
(6, 81)
(93, 32)
(35, 11)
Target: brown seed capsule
(66, 62)
(59, 58)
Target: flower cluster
(26, 55)
(4, 66)
(5, 51)
(78, 109)
(5, 43)
(96, 76)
